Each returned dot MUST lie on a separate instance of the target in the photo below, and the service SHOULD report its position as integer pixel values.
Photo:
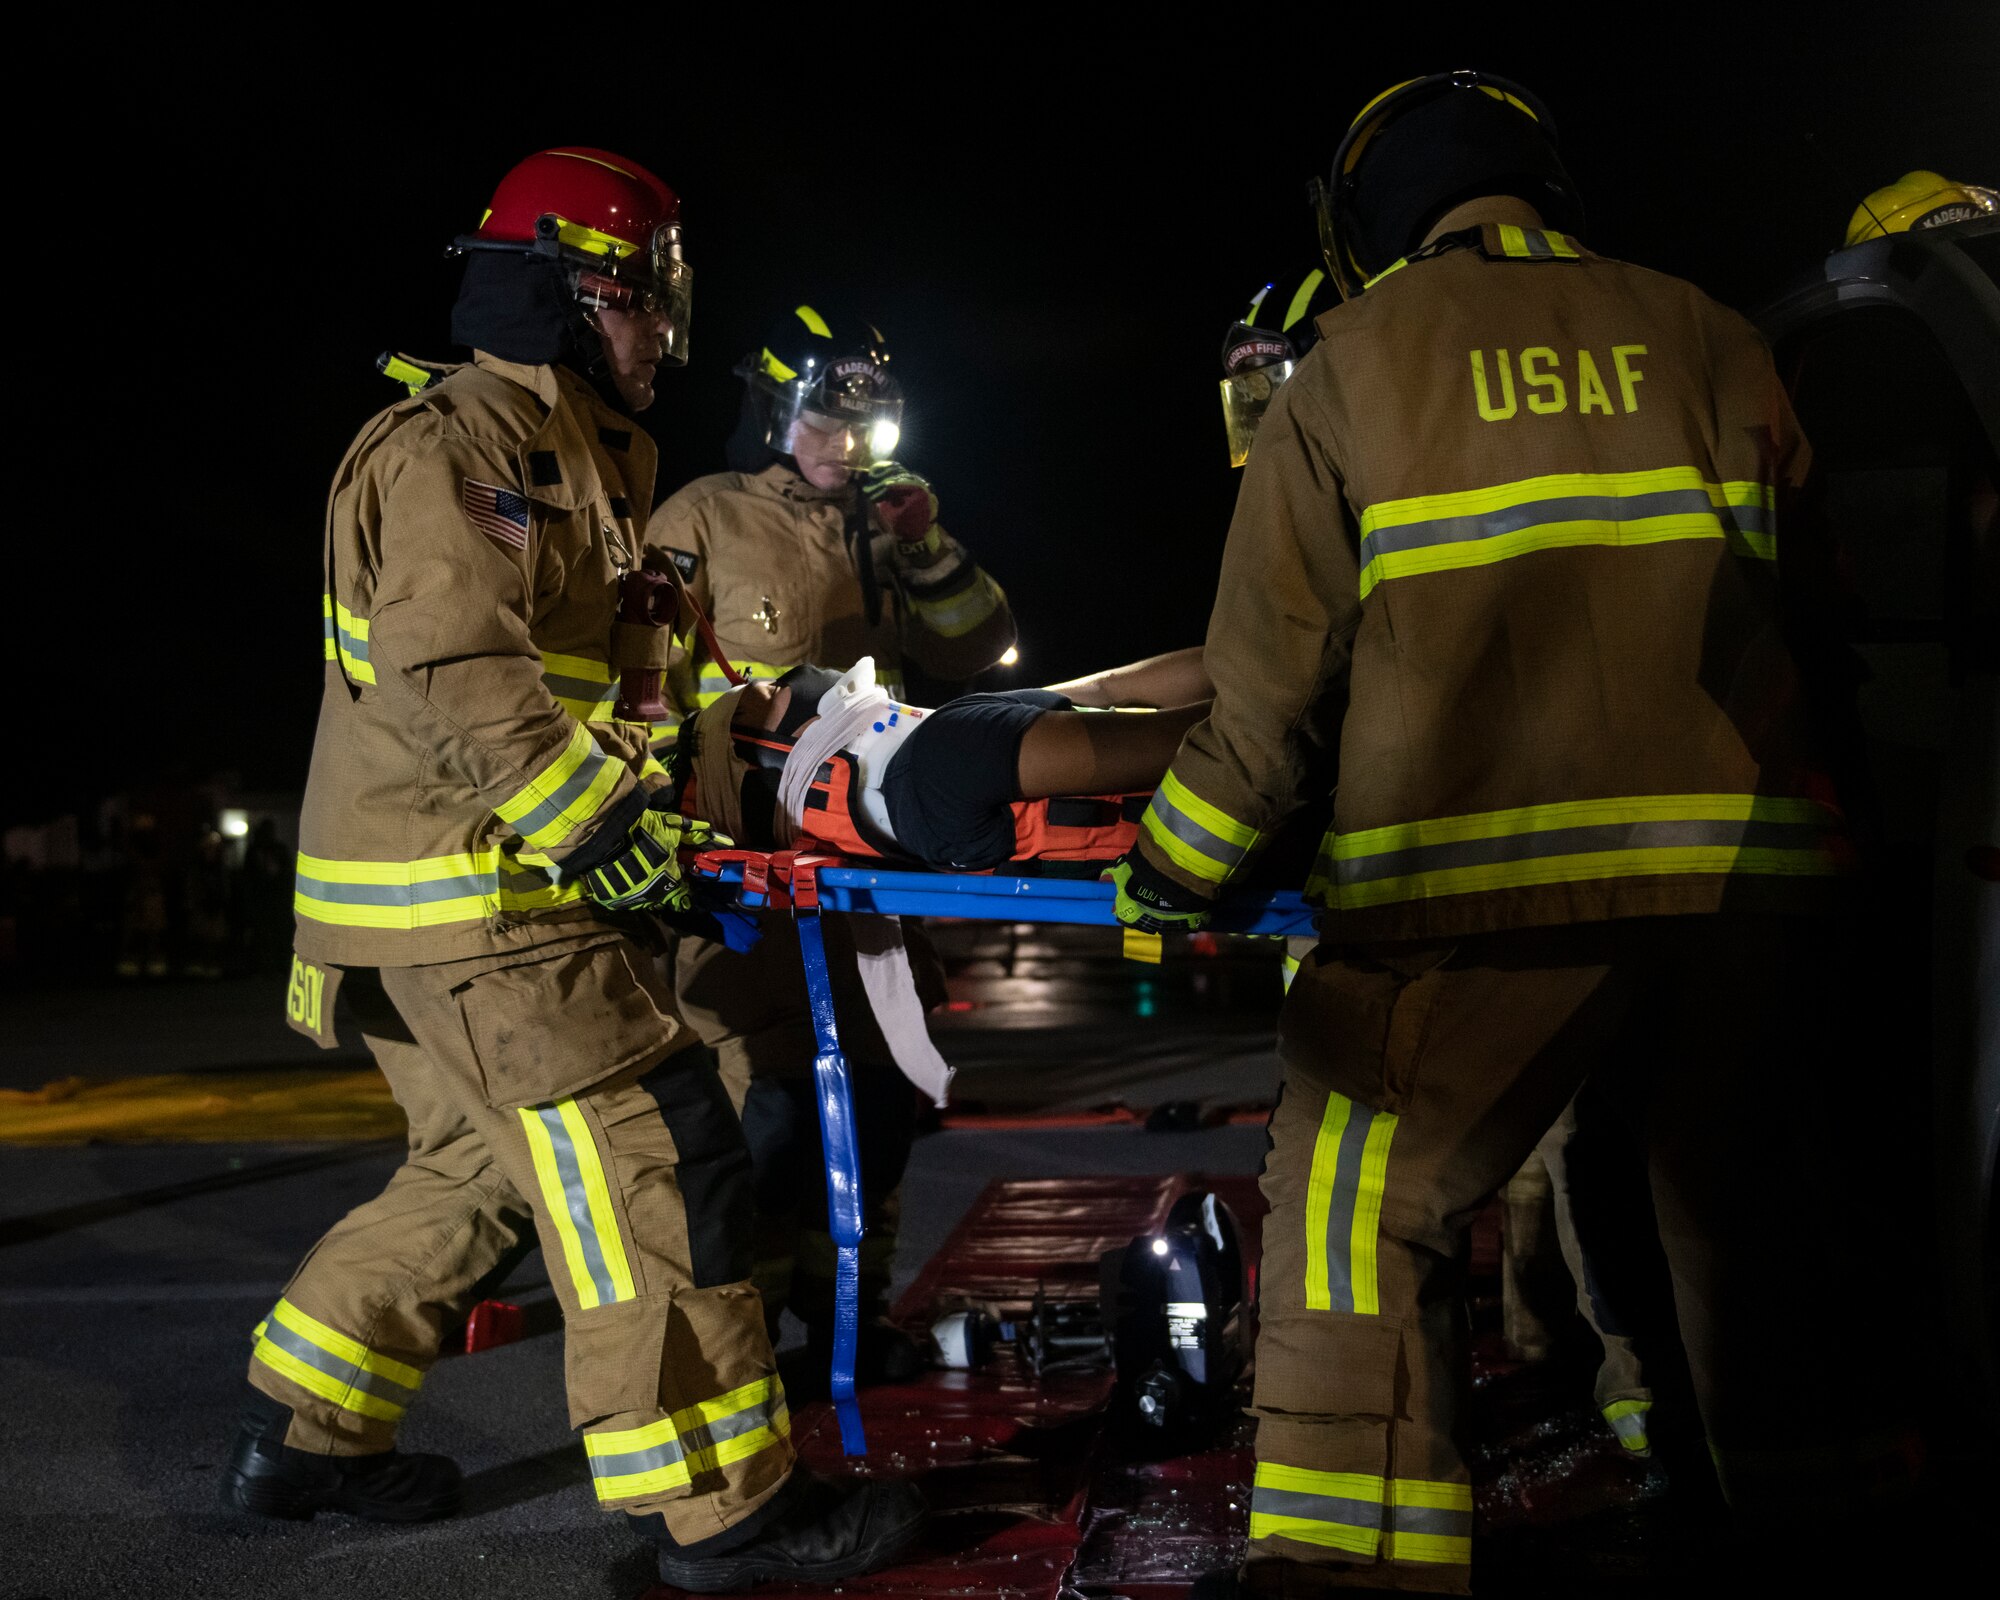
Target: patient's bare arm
(1174, 679)
(1083, 752)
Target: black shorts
(949, 788)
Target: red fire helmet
(608, 219)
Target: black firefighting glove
(1152, 902)
(645, 872)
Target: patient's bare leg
(1078, 752)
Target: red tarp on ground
(1028, 1498)
(1010, 1463)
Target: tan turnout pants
(1615, 1285)
(1417, 1081)
(549, 1089)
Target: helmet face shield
(654, 282)
(1246, 396)
(853, 408)
(1255, 363)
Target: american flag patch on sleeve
(500, 514)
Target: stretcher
(804, 884)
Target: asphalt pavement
(131, 1276)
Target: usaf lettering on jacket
(1543, 385)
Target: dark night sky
(1052, 237)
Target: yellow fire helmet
(1918, 200)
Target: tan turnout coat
(475, 538)
(1508, 546)
(767, 556)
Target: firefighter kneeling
(480, 812)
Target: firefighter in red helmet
(481, 819)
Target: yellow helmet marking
(1361, 143)
(579, 237)
(813, 321)
(1302, 298)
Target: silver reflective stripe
(580, 689)
(1192, 834)
(336, 1367)
(1431, 1520)
(396, 894)
(1536, 242)
(637, 1461)
(748, 1420)
(550, 810)
(576, 1200)
(1340, 1207)
(1316, 1507)
(1404, 536)
(1630, 1426)
(1596, 839)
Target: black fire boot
(268, 1478)
(813, 1530)
(1233, 1583)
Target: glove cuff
(1149, 885)
(610, 834)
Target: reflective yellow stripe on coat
(586, 689)
(403, 896)
(635, 1462)
(346, 637)
(1476, 527)
(1577, 841)
(565, 795)
(1196, 836)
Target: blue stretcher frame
(811, 886)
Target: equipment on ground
(1173, 1307)
(1169, 1318)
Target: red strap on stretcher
(705, 631)
(787, 879)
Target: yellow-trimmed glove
(646, 873)
(905, 505)
(1152, 902)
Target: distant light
(235, 824)
(1010, 656)
(1159, 1247)
(883, 439)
